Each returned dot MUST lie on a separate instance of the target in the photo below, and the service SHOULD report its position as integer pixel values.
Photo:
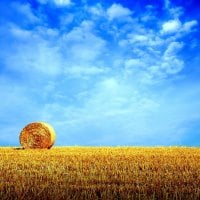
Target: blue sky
(101, 72)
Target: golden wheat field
(100, 173)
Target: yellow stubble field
(100, 173)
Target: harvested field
(100, 173)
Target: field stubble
(100, 173)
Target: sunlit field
(100, 173)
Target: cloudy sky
(101, 72)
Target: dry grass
(37, 135)
(100, 173)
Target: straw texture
(37, 135)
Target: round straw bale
(37, 135)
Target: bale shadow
(19, 148)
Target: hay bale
(37, 135)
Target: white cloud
(174, 11)
(97, 10)
(84, 71)
(74, 53)
(117, 11)
(138, 38)
(128, 115)
(170, 62)
(187, 26)
(57, 2)
(117, 98)
(113, 97)
(82, 45)
(33, 54)
(65, 20)
(172, 65)
(134, 64)
(173, 49)
(154, 59)
(167, 3)
(62, 2)
(26, 11)
(171, 26)
(20, 33)
(175, 26)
